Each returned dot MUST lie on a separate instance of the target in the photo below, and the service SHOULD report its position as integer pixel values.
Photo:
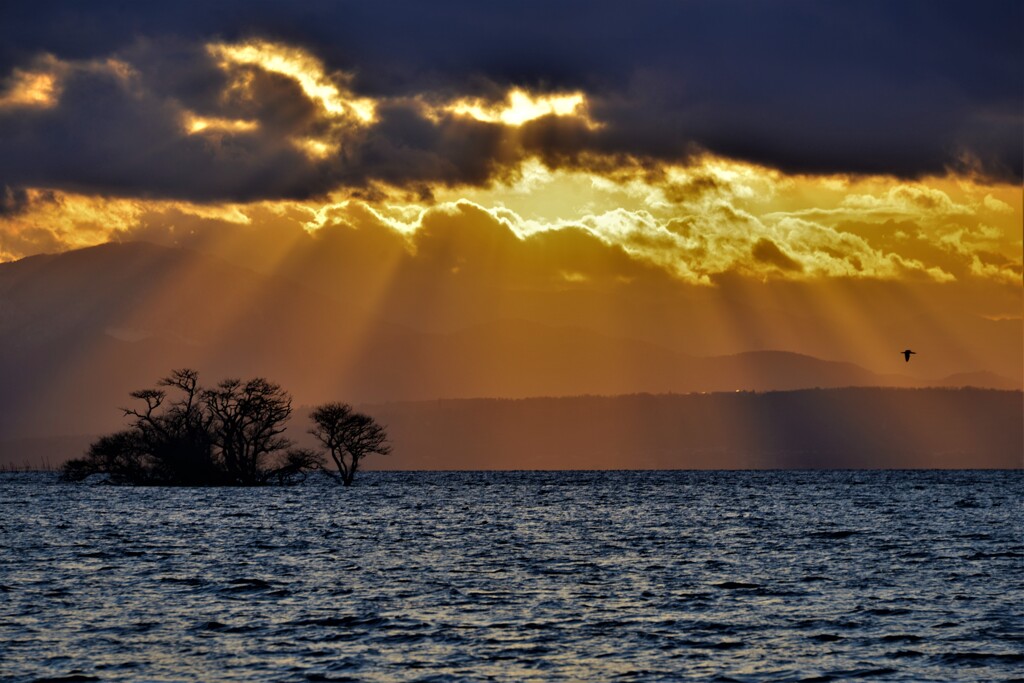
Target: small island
(181, 434)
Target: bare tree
(169, 440)
(248, 420)
(122, 455)
(348, 436)
(185, 449)
(182, 434)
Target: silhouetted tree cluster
(231, 435)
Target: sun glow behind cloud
(520, 106)
(693, 223)
(721, 216)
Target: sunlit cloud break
(39, 86)
(301, 66)
(206, 124)
(30, 89)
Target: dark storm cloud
(16, 200)
(13, 200)
(909, 89)
(110, 134)
(404, 147)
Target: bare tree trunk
(343, 471)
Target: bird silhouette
(907, 354)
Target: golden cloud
(31, 89)
(691, 223)
(51, 221)
(305, 69)
(339, 109)
(39, 86)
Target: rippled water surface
(728, 576)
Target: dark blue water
(728, 576)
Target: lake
(518, 576)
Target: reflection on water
(518, 577)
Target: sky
(854, 162)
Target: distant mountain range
(814, 428)
(80, 330)
(858, 427)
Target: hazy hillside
(818, 428)
(80, 330)
(833, 428)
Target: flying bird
(907, 354)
